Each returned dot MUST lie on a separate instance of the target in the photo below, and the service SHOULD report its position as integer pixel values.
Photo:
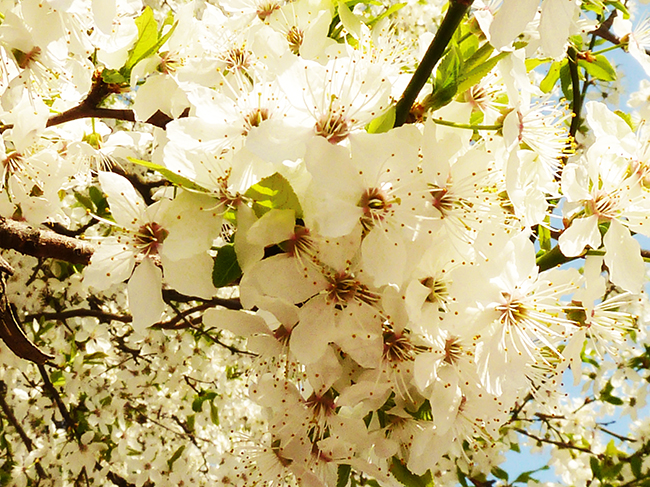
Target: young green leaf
(552, 76)
(383, 123)
(273, 192)
(598, 67)
(177, 454)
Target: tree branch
(559, 444)
(36, 242)
(454, 16)
(79, 313)
(89, 108)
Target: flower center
(26, 59)
(604, 205)
(264, 9)
(255, 118)
(375, 207)
(439, 294)
(13, 163)
(333, 125)
(444, 201)
(513, 311)
(295, 37)
(300, 243)
(150, 237)
(453, 350)
(344, 288)
(237, 59)
(398, 346)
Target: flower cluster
(397, 285)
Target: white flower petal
(145, 295)
(623, 258)
(582, 232)
(127, 206)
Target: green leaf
(147, 38)
(627, 118)
(174, 178)
(191, 421)
(544, 236)
(535, 62)
(57, 378)
(526, 477)
(472, 77)
(214, 414)
(565, 81)
(95, 358)
(462, 478)
(383, 123)
(343, 475)
(85, 201)
(226, 269)
(597, 6)
(500, 473)
(273, 193)
(600, 68)
(595, 467)
(635, 464)
(113, 77)
(389, 11)
(552, 76)
(177, 454)
(619, 6)
(469, 46)
(408, 478)
(449, 68)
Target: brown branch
(560, 444)
(173, 295)
(30, 240)
(79, 313)
(89, 108)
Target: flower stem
(453, 18)
(553, 258)
(607, 49)
(457, 125)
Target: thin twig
(560, 444)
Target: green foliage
(552, 76)
(343, 475)
(606, 395)
(150, 40)
(273, 193)
(177, 454)
(226, 269)
(171, 176)
(463, 66)
(383, 123)
(408, 478)
(598, 67)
